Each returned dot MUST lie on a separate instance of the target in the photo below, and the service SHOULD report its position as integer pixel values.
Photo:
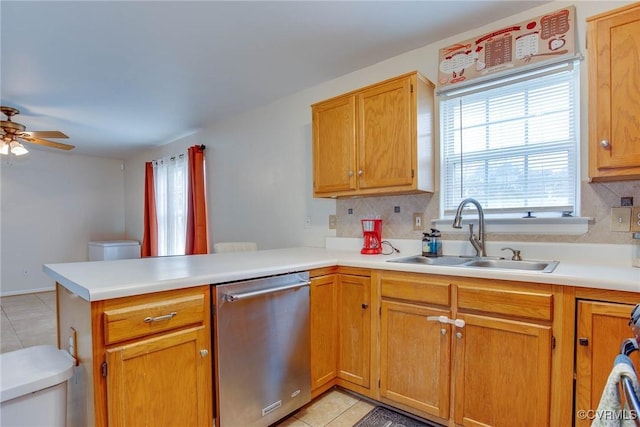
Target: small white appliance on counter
(114, 249)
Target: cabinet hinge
(103, 369)
(553, 342)
(413, 173)
(411, 85)
(378, 384)
(380, 311)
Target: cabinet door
(324, 330)
(161, 381)
(415, 357)
(385, 137)
(502, 373)
(334, 145)
(354, 329)
(614, 89)
(601, 329)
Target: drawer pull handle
(160, 318)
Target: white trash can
(114, 249)
(33, 385)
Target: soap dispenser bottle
(426, 245)
(435, 245)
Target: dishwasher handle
(260, 292)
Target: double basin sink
(480, 262)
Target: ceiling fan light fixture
(4, 150)
(17, 149)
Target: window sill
(547, 225)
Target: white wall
(259, 163)
(52, 204)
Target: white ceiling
(121, 75)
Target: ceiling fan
(13, 131)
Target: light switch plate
(333, 222)
(620, 219)
(635, 219)
(418, 221)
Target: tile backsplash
(597, 201)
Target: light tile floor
(29, 320)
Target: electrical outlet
(73, 345)
(333, 222)
(418, 220)
(620, 219)
(635, 219)
(307, 222)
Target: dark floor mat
(383, 417)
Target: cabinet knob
(443, 331)
(583, 341)
(605, 143)
(204, 352)
(459, 335)
(365, 306)
(350, 174)
(360, 172)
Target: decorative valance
(513, 48)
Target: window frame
(513, 218)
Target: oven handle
(252, 294)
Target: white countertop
(100, 280)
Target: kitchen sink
(477, 262)
(441, 260)
(544, 266)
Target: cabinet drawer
(509, 302)
(415, 287)
(149, 318)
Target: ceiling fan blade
(45, 134)
(47, 143)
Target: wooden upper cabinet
(334, 147)
(614, 91)
(384, 135)
(376, 140)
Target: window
(512, 143)
(170, 187)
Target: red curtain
(197, 235)
(150, 236)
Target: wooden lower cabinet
(415, 351)
(324, 332)
(602, 326)
(414, 357)
(160, 381)
(354, 331)
(495, 369)
(502, 372)
(144, 360)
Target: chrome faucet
(476, 242)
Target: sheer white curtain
(170, 179)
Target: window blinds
(512, 143)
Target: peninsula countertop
(101, 280)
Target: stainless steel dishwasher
(261, 337)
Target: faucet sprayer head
(457, 222)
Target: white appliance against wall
(113, 249)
